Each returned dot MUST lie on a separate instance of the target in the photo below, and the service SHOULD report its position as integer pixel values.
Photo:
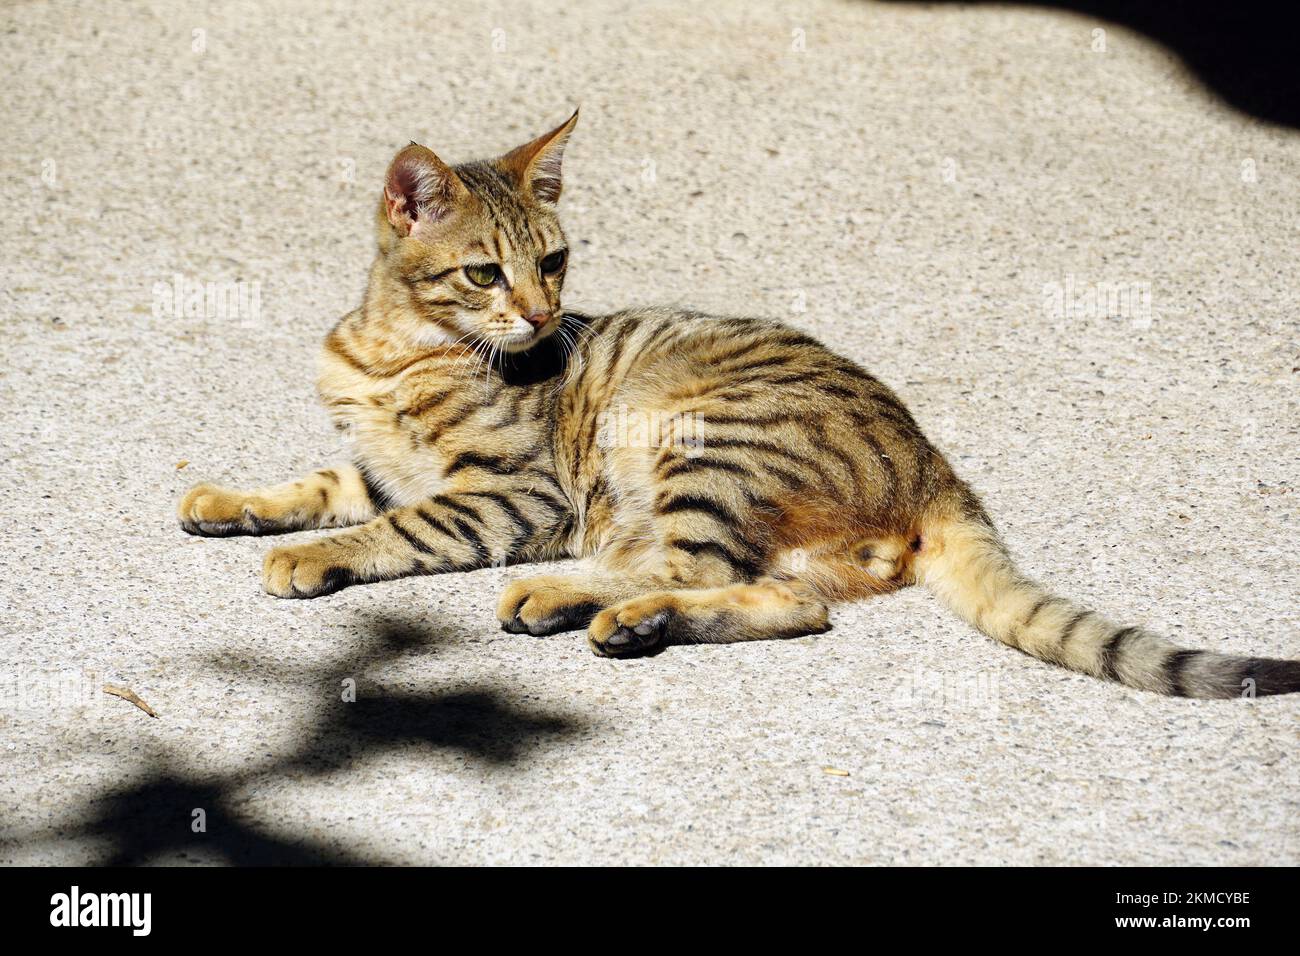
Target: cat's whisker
(569, 348)
(491, 361)
(462, 338)
(571, 340)
(480, 352)
(458, 340)
(476, 345)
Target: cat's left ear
(536, 165)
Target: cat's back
(726, 358)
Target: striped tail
(965, 564)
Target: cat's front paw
(546, 604)
(306, 570)
(217, 512)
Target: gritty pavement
(1076, 265)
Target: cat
(767, 479)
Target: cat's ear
(535, 166)
(419, 191)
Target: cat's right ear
(420, 191)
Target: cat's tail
(963, 561)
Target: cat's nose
(537, 318)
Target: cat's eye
(483, 275)
(553, 263)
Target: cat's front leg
(457, 531)
(329, 498)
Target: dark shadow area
(394, 635)
(152, 820)
(476, 723)
(1243, 51)
(479, 722)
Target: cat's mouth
(523, 339)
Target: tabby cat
(489, 427)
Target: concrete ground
(1071, 258)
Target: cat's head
(476, 249)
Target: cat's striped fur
(481, 440)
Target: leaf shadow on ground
(153, 819)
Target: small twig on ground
(129, 695)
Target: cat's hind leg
(631, 565)
(790, 601)
(330, 498)
(764, 610)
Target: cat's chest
(427, 432)
(395, 451)
(390, 438)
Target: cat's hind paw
(632, 627)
